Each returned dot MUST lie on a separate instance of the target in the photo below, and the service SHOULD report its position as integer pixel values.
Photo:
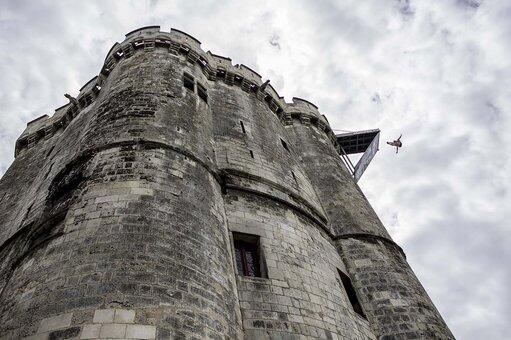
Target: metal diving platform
(366, 142)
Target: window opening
(220, 74)
(248, 255)
(284, 144)
(294, 177)
(48, 172)
(238, 80)
(49, 151)
(242, 127)
(202, 61)
(188, 82)
(202, 92)
(352, 295)
(251, 153)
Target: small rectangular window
(220, 74)
(188, 82)
(284, 144)
(248, 255)
(202, 92)
(251, 153)
(238, 80)
(352, 295)
(242, 127)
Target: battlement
(143, 30)
(214, 67)
(305, 107)
(37, 121)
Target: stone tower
(178, 196)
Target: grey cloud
(470, 3)
(405, 7)
(275, 41)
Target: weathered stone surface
(55, 322)
(90, 331)
(116, 217)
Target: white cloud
(440, 73)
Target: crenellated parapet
(307, 113)
(45, 127)
(178, 43)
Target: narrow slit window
(284, 144)
(242, 127)
(49, 151)
(188, 82)
(352, 295)
(248, 255)
(202, 92)
(294, 177)
(251, 153)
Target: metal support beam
(365, 142)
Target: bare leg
(397, 149)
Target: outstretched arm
(401, 135)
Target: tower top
(215, 67)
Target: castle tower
(180, 196)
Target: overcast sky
(436, 71)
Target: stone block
(55, 322)
(141, 332)
(112, 331)
(90, 331)
(124, 316)
(103, 316)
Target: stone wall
(393, 299)
(302, 294)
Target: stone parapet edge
(370, 237)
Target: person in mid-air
(397, 143)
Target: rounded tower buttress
(390, 295)
(273, 212)
(140, 246)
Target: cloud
(438, 72)
(274, 41)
